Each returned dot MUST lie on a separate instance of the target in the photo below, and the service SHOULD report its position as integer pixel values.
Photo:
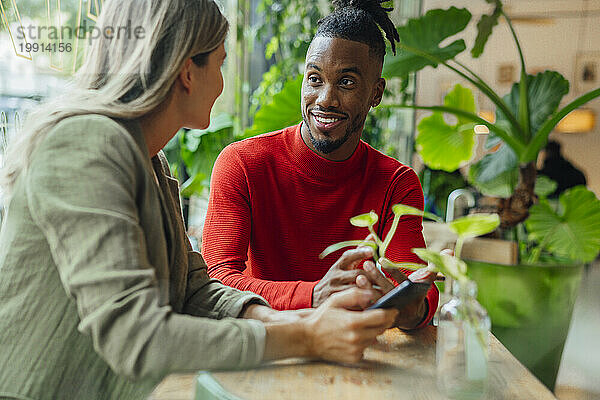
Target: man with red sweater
(277, 200)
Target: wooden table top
(400, 365)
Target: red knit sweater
(275, 205)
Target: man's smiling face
(342, 81)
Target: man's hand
(411, 315)
(342, 275)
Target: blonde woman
(100, 293)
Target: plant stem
(514, 144)
(496, 99)
(486, 90)
(523, 90)
(375, 236)
(390, 235)
(515, 209)
(541, 135)
(458, 247)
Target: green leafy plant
(452, 266)
(449, 265)
(368, 220)
(281, 111)
(288, 27)
(524, 118)
(193, 152)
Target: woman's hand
(267, 314)
(336, 331)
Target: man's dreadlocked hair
(359, 21)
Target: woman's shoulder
(93, 125)
(94, 130)
(86, 140)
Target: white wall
(552, 33)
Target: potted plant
(463, 342)
(530, 304)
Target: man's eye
(314, 79)
(346, 82)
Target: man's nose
(328, 97)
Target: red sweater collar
(321, 168)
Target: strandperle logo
(52, 38)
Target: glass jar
(463, 344)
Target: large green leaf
(496, 174)
(194, 185)
(573, 231)
(426, 34)
(484, 28)
(544, 186)
(474, 225)
(444, 146)
(200, 149)
(545, 91)
(282, 111)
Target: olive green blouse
(101, 294)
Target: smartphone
(401, 295)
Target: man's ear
(378, 92)
(185, 75)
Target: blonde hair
(125, 77)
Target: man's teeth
(324, 120)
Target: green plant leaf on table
(450, 266)
(472, 226)
(445, 146)
(497, 173)
(426, 34)
(281, 112)
(573, 231)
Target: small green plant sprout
(451, 266)
(368, 220)
(466, 227)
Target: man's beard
(326, 146)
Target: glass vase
(463, 344)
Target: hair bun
(375, 10)
(369, 6)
